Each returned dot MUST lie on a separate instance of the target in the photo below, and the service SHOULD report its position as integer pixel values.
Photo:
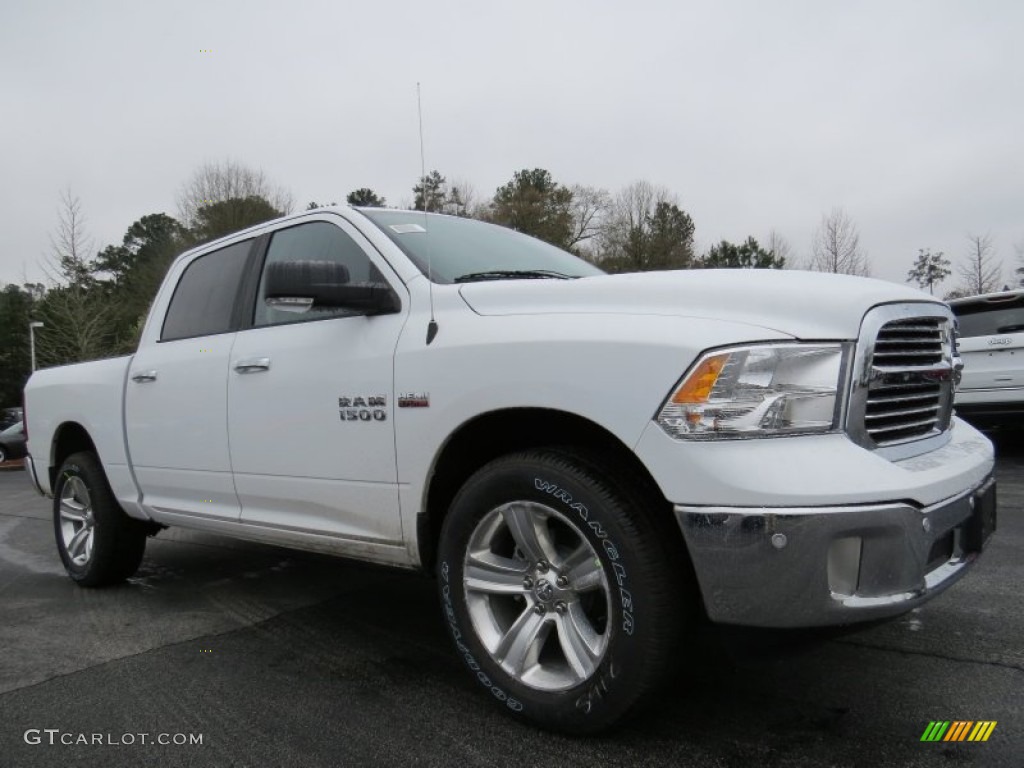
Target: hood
(807, 305)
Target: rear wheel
(98, 543)
(3, 455)
(560, 593)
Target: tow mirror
(299, 286)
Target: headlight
(757, 391)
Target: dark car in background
(9, 417)
(990, 330)
(12, 443)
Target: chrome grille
(913, 342)
(908, 396)
(901, 400)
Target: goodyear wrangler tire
(98, 543)
(561, 595)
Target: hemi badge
(414, 400)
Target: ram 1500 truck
(591, 464)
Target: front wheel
(98, 543)
(3, 455)
(560, 593)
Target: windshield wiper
(512, 274)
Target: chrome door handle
(144, 376)
(253, 365)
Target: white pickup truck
(591, 464)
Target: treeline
(98, 298)
(642, 227)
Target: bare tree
(219, 182)
(981, 273)
(75, 311)
(71, 247)
(779, 247)
(77, 322)
(628, 212)
(461, 199)
(589, 207)
(836, 246)
(645, 229)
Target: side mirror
(299, 286)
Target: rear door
(991, 343)
(310, 409)
(176, 393)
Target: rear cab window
(204, 299)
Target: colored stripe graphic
(958, 730)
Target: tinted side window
(205, 297)
(316, 241)
(989, 320)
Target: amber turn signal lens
(698, 385)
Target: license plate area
(982, 521)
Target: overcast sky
(758, 115)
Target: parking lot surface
(281, 658)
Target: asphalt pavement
(278, 658)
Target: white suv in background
(991, 343)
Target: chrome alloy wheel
(77, 522)
(537, 595)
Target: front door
(310, 411)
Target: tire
(98, 543)
(563, 598)
(3, 454)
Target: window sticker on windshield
(402, 229)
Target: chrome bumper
(814, 566)
(30, 470)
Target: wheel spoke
(524, 636)
(491, 573)
(580, 643)
(79, 491)
(72, 511)
(584, 572)
(530, 532)
(78, 540)
(88, 543)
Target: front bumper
(815, 566)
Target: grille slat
(915, 352)
(881, 400)
(902, 403)
(904, 326)
(903, 412)
(908, 426)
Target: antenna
(432, 325)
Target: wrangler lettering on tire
(557, 589)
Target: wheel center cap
(544, 591)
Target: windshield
(470, 249)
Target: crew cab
(591, 464)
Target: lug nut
(527, 583)
(539, 608)
(560, 606)
(562, 581)
(543, 566)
